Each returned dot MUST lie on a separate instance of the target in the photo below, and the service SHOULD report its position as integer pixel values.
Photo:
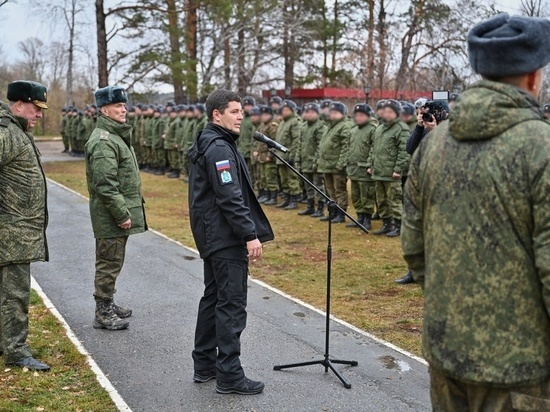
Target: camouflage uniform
(244, 142)
(268, 168)
(187, 139)
(170, 145)
(159, 155)
(288, 134)
(23, 222)
(312, 133)
(476, 236)
(63, 131)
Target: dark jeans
(222, 314)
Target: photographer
(431, 113)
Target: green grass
(364, 266)
(69, 386)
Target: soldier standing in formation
(116, 201)
(268, 167)
(476, 229)
(24, 218)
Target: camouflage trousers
(289, 181)
(159, 158)
(318, 180)
(173, 159)
(389, 196)
(110, 254)
(66, 141)
(146, 155)
(184, 161)
(15, 289)
(268, 176)
(451, 395)
(363, 196)
(337, 188)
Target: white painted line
(101, 378)
(293, 299)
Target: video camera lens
(427, 117)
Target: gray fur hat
(110, 95)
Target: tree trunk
(370, 45)
(70, 100)
(406, 44)
(325, 44)
(175, 51)
(191, 42)
(334, 38)
(227, 58)
(381, 28)
(241, 68)
(102, 63)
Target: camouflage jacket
(334, 148)
(244, 143)
(361, 141)
(149, 130)
(23, 210)
(476, 235)
(389, 153)
(159, 132)
(198, 126)
(312, 132)
(289, 135)
(114, 182)
(170, 140)
(270, 130)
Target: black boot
(339, 218)
(310, 208)
(367, 221)
(272, 201)
(174, 175)
(406, 280)
(293, 203)
(330, 215)
(106, 318)
(386, 228)
(264, 197)
(285, 202)
(303, 198)
(159, 171)
(396, 231)
(360, 219)
(375, 216)
(320, 212)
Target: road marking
(286, 295)
(100, 376)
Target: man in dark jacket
(229, 227)
(23, 218)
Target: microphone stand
(332, 207)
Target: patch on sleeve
(104, 135)
(223, 168)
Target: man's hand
(254, 249)
(420, 120)
(369, 170)
(396, 176)
(255, 154)
(430, 125)
(126, 225)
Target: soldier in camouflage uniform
(408, 115)
(116, 202)
(332, 159)
(23, 218)
(244, 144)
(255, 117)
(63, 131)
(325, 110)
(201, 120)
(387, 161)
(72, 125)
(187, 138)
(477, 228)
(170, 144)
(313, 130)
(363, 188)
(268, 168)
(289, 135)
(275, 103)
(148, 125)
(159, 134)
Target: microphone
(269, 142)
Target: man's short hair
(219, 100)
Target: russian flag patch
(223, 165)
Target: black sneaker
(203, 377)
(243, 386)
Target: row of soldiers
(76, 128)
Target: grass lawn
(364, 266)
(69, 386)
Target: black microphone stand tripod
(332, 207)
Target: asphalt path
(150, 363)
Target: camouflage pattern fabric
(363, 196)
(318, 180)
(361, 141)
(334, 148)
(268, 168)
(476, 236)
(110, 255)
(244, 142)
(312, 133)
(388, 153)
(389, 196)
(337, 188)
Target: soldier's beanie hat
(408, 108)
(266, 109)
(255, 111)
(394, 105)
(275, 99)
(312, 106)
(290, 104)
(132, 109)
(380, 104)
(29, 92)
(249, 101)
(191, 108)
(110, 95)
(546, 108)
(339, 107)
(200, 107)
(170, 104)
(507, 45)
(325, 104)
(182, 108)
(64, 110)
(363, 108)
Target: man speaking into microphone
(229, 227)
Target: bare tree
(2, 2)
(534, 8)
(33, 63)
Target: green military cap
(28, 91)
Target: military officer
(23, 217)
(476, 229)
(116, 202)
(63, 131)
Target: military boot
(106, 318)
(159, 171)
(367, 221)
(272, 198)
(339, 217)
(386, 228)
(264, 197)
(175, 174)
(375, 216)
(310, 208)
(320, 212)
(292, 203)
(330, 215)
(360, 219)
(396, 230)
(285, 202)
(121, 312)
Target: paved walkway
(150, 363)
